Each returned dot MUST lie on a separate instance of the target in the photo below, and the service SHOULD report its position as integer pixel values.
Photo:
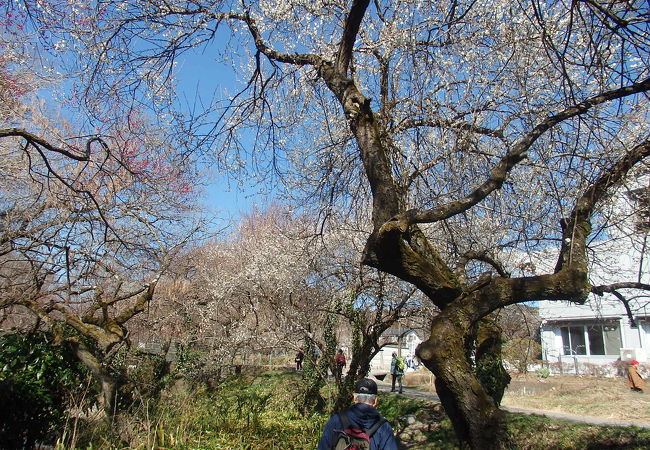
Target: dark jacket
(393, 367)
(361, 415)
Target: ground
(606, 398)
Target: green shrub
(146, 378)
(189, 362)
(247, 412)
(37, 379)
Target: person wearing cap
(634, 380)
(361, 415)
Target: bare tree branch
(514, 156)
(352, 24)
(36, 141)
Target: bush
(519, 353)
(37, 379)
(244, 412)
(146, 379)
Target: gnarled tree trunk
(473, 412)
(397, 245)
(107, 383)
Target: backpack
(350, 438)
(400, 364)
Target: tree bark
(476, 418)
(488, 363)
(107, 383)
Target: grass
(247, 413)
(259, 412)
(607, 398)
(535, 432)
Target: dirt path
(590, 420)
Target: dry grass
(421, 378)
(607, 398)
(580, 395)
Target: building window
(596, 340)
(610, 337)
(573, 340)
(613, 341)
(591, 340)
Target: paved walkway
(590, 420)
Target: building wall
(381, 362)
(621, 254)
(556, 315)
(555, 310)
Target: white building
(600, 332)
(408, 341)
(575, 335)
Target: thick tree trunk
(109, 393)
(476, 418)
(313, 375)
(344, 395)
(107, 383)
(312, 398)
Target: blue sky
(200, 74)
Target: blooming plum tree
(87, 223)
(474, 131)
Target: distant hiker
(360, 424)
(339, 364)
(634, 380)
(397, 371)
(299, 357)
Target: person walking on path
(361, 419)
(634, 380)
(299, 357)
(339, 364)
(397, 371)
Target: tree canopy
(464, 133)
